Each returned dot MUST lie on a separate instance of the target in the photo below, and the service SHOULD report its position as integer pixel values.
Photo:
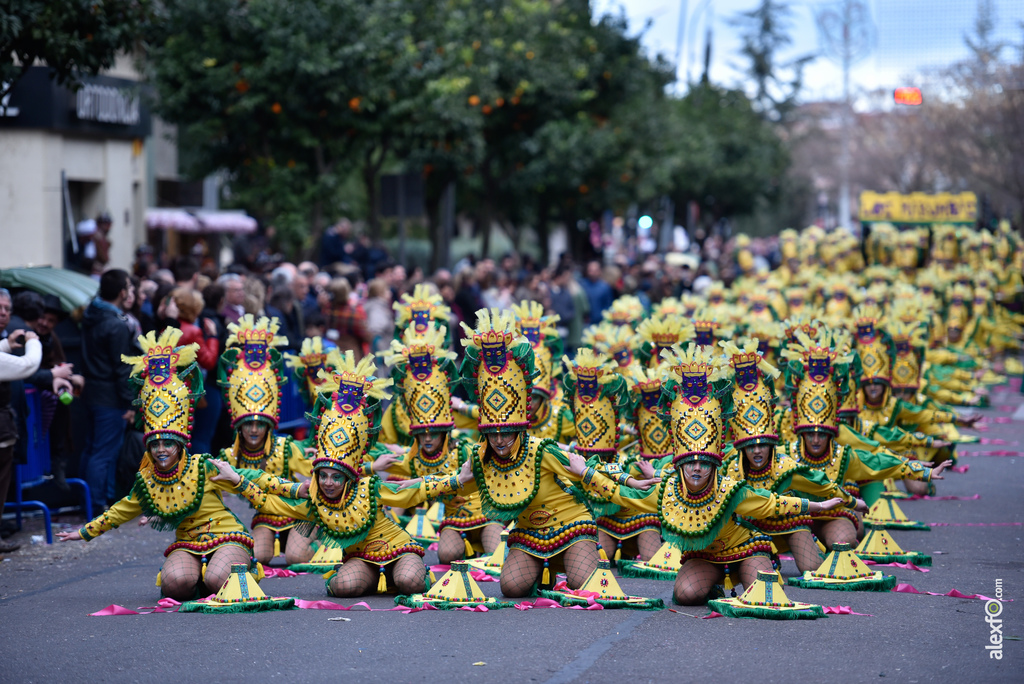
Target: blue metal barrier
(34, 471)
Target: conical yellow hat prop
(240, 594)
(326, 558)
(435, 513)
(888, 513)
(456, 589)
(844, 571)
(766, 599)
(879, 546)
(664, 564)
(421, 529)
(605, 590)
(492, 564)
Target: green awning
(73, 289)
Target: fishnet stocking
(580, 563)
(218, 566)
(263, 549)
(746, 570)
(354, 578)
(805, 550)
(607, 543)
(648, 544)
(180, 575)
(838, 531)
(695, 581)
(490, 536)
(408, 574)
(299, 548)
(519, 573)
(450, 546)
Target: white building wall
(31, 197)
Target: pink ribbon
(842, 610)
(908, 589)
(478, 575)
(960, 468)
(998, 452)
(711, 615)
(281, 572)
(985, 524)
(432, 546)
(113, 609)
(905, 566)
(362, 605)
(927, 497)
(1006, 408)
(997, 441)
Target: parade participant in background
(423, 374)
(600, 400)
(749, 410)
(697, 503)
(175, 489)
(550, 416)
(816, 381)
(522, 478)
(346, 504)
(251, 377)
(312, 358)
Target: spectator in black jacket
(108, 395)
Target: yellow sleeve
(298, 464)
(758, 506)
(603, 488)
(884, 465)
(402, 468)
(300, 509)
(121, 512)
(820, 489)
(431, 487)
(271, 484)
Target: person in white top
(12, 368)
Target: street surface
(47, 593)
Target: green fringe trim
(312, 568)
(729, 610)
(885, 584)
(909, 525)
(509, 512)
(628, 568)
(159, 520)
(410, 602)
(921, 559)
(687, 541)
(895, 495)
(250, 607)
(569, 600)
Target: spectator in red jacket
(190, 303)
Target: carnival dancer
(522, 478)
(175, 489)
(697, 503)
(600, 400)
(749, 410)
(251, 376)
(816, 380)
(346, 504)
(550, 417)
(423, 374)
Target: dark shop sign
(103, 106)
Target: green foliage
(73, 37)
(537, 110)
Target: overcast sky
(910, 35)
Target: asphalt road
(47, 592)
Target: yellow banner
(917, 207)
